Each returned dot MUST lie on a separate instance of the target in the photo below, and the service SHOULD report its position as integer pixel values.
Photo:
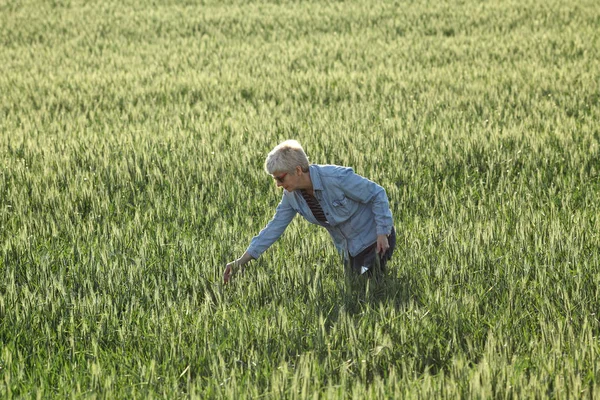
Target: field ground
(132, 139)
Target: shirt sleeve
(365, 191)
(274, 229)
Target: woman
(353, 209)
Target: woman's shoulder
(332, 171)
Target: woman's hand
(382, 244)
(230, 270)
(236, 266)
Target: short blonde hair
(285, 157)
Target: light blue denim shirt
(357, 210)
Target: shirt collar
(315, 177)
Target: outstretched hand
(231, 269)
(236, 266)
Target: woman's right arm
(267, 236)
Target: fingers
(227, 274)
(230, 270)
(382, 244)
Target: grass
(132, 141)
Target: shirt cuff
(252, 253)
(384, 230)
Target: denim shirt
(357, 210)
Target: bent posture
(354, 210)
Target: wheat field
(132, 140)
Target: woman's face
(286, 180)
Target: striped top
(314, 206)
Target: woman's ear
(299, 170)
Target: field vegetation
(132, 140)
